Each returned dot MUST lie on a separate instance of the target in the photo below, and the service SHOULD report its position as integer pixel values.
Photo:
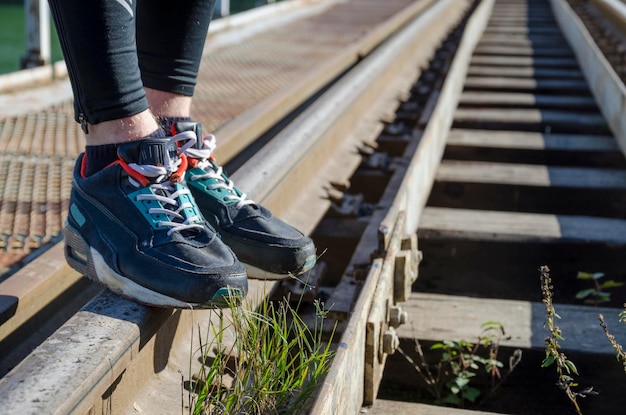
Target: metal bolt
(397, 317)
(390, 341)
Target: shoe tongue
(182, 126)
(148, 151)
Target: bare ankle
(168, 104)
(122, 130)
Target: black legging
(113, 48)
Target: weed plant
(598, 293)
(274, 365)
(620, 355)
(450, 381)
(565, 368)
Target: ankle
(168, 104)
(122, 130)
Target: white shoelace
(166, 192)
(215, 172)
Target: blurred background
(13, 30)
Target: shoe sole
(89, 262)
(261, 274)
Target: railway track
(532, 173)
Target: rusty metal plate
(34, 199)
(45, 133)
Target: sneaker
(268, 247)
(135, 228)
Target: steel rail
(113, 345)
(258, 119)
(606, 86)
(363, 352)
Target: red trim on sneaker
(177, 176)
(83, 167)
(133, 173)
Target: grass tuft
(273, 365)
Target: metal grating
(34, 199)
(45, 133)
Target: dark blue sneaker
(267, 246)
(135, 228)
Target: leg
(170, 42)
(98, 43)
(132, 225)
